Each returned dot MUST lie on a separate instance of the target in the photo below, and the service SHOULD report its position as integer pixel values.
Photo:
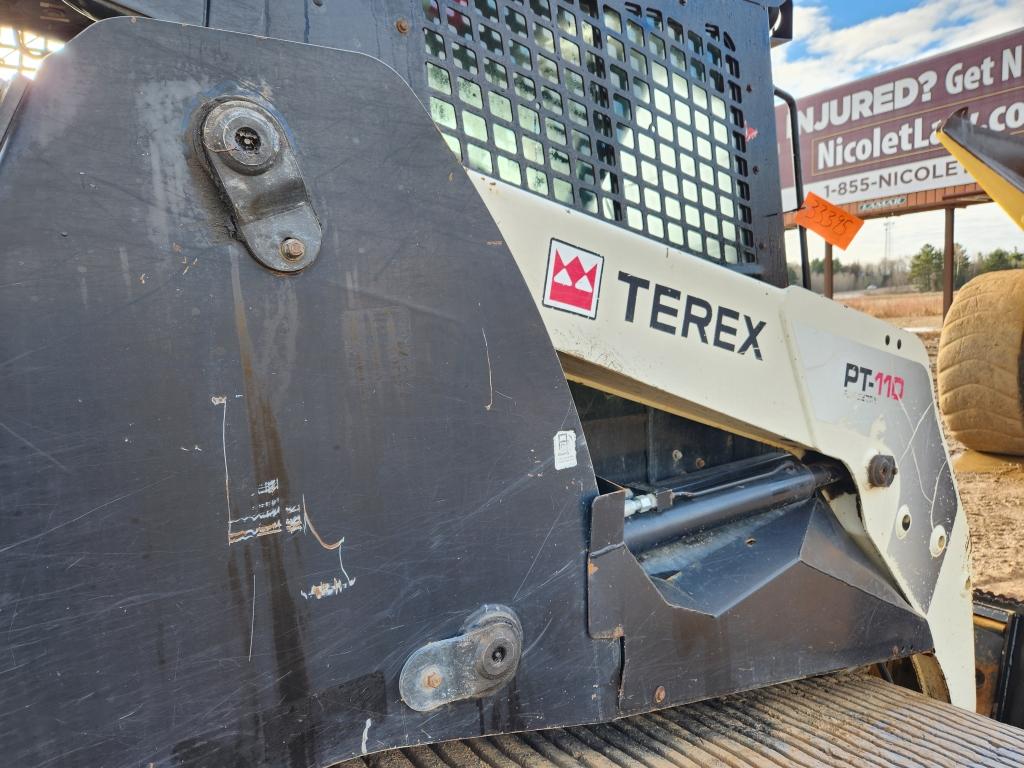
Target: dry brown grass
(893, 305)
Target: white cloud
(830, 56)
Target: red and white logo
(573, 280)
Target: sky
(836, 41)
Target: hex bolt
(248, 139)
(659, 694)
(243, 135)
(881, 471)
(293, 249)
(497, 656)
(402, 25)
(432, 680)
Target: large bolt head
(881, 471)
(432, 680)
(243, 135)
(498, 656)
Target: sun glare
(22, 52)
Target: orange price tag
(831, 222)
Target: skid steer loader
(317, 443)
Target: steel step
(850, 720)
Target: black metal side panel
(188, 11)
(233, 502)
(778, 597)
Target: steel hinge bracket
(471, 665)
(249, 157)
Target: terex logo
(573, 280)
(693, 317)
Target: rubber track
(842, 720)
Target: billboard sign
(874, 138)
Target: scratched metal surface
(232, 503)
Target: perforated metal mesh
(616, 109)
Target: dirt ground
(992, 492)
(991, 487)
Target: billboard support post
(947, 262)
(829, 287)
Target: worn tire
(981, 365)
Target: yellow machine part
(995, 160)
